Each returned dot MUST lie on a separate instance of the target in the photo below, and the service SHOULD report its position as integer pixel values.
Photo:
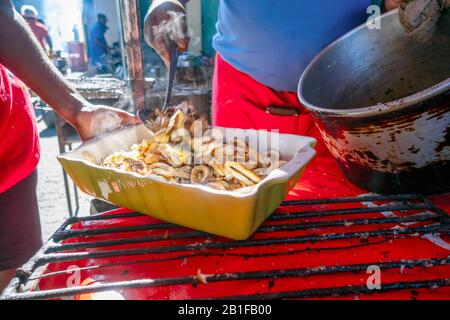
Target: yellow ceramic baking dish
(234, 215)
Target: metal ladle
(145, 114)
(173, 63)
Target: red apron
(240, 102)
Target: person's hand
(166, 22)
(420, 17)
(391, 4)
(92, 120)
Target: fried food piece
(241, 173)
(176, 157)
(200, 174)
(162, 169)
(183, 173)
(219, 185)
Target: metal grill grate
(326, 228)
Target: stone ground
(51, 193)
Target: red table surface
(314, 184)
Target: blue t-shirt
(274, 40)
(97, 33)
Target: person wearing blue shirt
(98, 44)
(263, 47)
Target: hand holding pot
(420, 17)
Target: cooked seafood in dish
(184, 149)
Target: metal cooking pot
(382, 104)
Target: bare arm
(21, 53)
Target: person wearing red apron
(262, 48)
(22, 55)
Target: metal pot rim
(374, 110)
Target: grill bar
(366, 198)
(59, 257)
(344, 291)
(328, 213)
(214, 254)
(306, 214)
(269, 274)
(264, 229)
(107, 217)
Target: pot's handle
(283, 111)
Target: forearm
(21, 53)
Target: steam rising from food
(172, 28)
(105, 121)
